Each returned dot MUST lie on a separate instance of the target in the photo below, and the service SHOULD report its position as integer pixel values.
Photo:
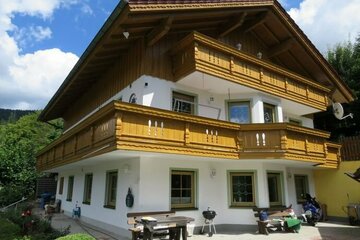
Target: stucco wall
(337, 190)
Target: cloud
(27, 35)
(28, 81)
(328, 22)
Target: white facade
(148, 174)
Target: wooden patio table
(175, 224)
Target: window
(183, 103)
(275, 189)
(301, 187)
(111, 187)
(87, 188)
(182, 189)
(239, 112)
(61, 186)
(242, 189)
(70, 188)
(269, 113)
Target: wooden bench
(264, 226)
(137, 231)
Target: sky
(41, 40)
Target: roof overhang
(151, 20)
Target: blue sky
(72, 27)
(41, 40)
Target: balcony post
(118, 124)
(283, 140)
(187, 133)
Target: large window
(275, 189)
(242, 189)
(239, 112)
(301, 187)
(111, 188)
(61, 185)
(269, 113)
(87, 188)
(182, 189)
(183, 103)
(70, 189)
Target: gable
(281, 40)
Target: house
(192, 105)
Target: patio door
(275, 189)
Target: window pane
(182, 189)
(269, 113)
(87, 188)
(301, 187)
(175, 181)
(239, 112)
(242, 188)
(186, 181)
(70, 188)
(61, 187)
(183, 103)
(111, 189)
(274, 187)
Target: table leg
(184, 232)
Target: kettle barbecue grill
(209, 216)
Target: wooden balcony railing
(198, 52)
(287, 141)
(124, 126)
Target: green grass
(77, 236)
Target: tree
(345, 59)
(19, 143)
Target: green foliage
(27, 226)
(345, 58)
(19, 144)
(8, 230)
(10, 115)
(77, 236)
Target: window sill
(86, 203)
(109, 206)
(242, 207)
(69, 199)
(185, 209)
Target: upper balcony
(130, 127)
(200, 53)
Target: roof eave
(106, 26)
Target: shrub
(77, 236)
(8, 230)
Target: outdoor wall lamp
(126, 34)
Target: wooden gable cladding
(130, 127)
(153, 22)
(197, 52)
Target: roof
(266, 20)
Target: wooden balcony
(124, 126)
(198, 52)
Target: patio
(323, 230)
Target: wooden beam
(248, 26)
(234, 24)
(157, 33)
(281, 47)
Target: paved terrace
(323, 230)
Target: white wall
(96, 210)
(149, 179)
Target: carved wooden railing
(124, 126)
(198, 52)
(288, 141)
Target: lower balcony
(131, 127)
